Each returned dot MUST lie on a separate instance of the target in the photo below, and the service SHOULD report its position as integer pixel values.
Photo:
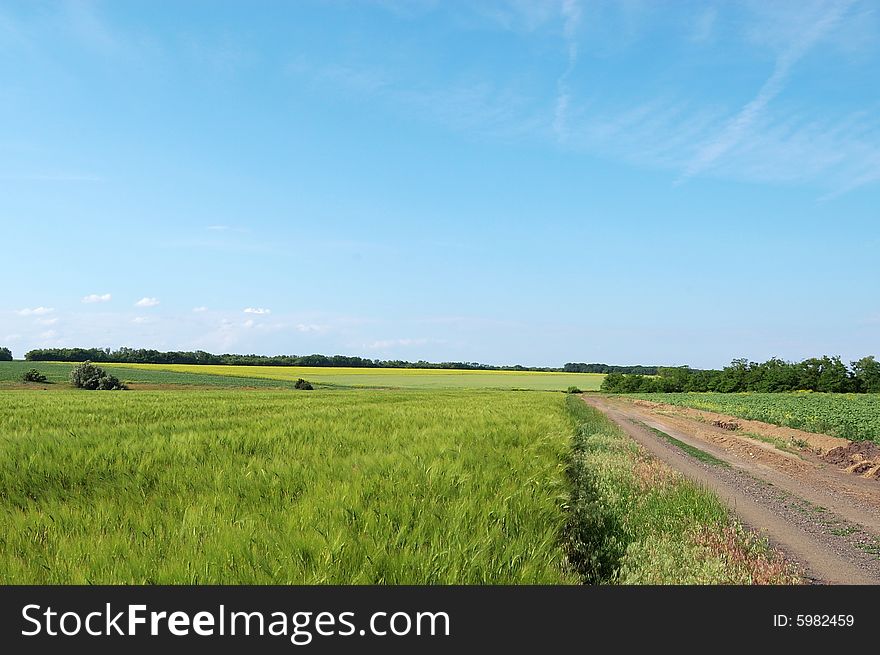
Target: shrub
(34, 375)
(305, 385)
(94, 378)
(573, 389)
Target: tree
(834, 376)
(5, 355)
(613, 383)
(673, 379)
(776, 375)
(303, 385)
(91, 377)
(735, 377)
(866, 372)
(34, 375)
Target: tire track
(831, 546)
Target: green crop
(286, 376)
(398, 378)
(284, 486)
(851, 416)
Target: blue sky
(504, 182)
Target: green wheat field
(281, 487)
(230, 476)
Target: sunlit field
(395, 377)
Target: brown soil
(807, 493)
(793, 439)
(859, 457)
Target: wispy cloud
(50, 177)
(571, 14)
(91, 29)
(738, 127)
(704, 25)
(147, 302)
(97, 297)
(257, 310)
(770, 137)
(200, 310)
(465, 103)
(35, 311)
(47, 321)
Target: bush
(94, 378)
(34, 375)
(305, 385)
(573, 389)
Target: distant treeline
(146, 356)
(828, 374)
(606, 368)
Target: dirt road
(824, 518)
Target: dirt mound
(859, 457)
(733, 426)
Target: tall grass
(634, 521)
(282, 487)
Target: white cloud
(390, 343)
(36, 311)
(249, 323)
(147, 302)
(310, 327)
(200, 309)
(12, 337)
(257, 310)
(139, 319)
(47, 321)
(48, 334)
(95, 297)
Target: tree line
(827, 374)
(148, 356)
(572, 367)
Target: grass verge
(632, 520)
(693, 451)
